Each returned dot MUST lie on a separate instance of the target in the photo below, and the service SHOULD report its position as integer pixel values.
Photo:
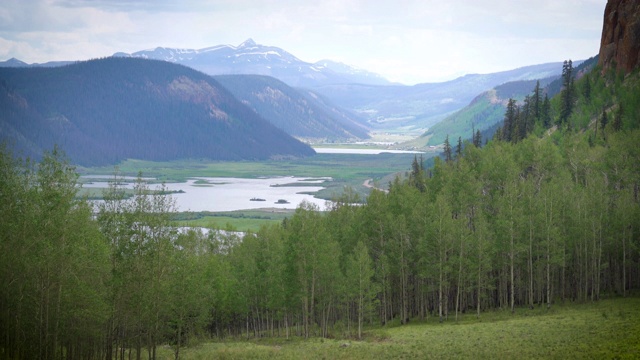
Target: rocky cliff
(620, 44)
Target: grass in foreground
(602, 330)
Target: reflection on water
(229, 194)
(363, 151)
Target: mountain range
(107, 110)
(383, 104)
(250, 58)
(327, 100)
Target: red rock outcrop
(620, 43)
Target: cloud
(406, 39)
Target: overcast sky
(408, 41)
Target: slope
(104, 111)
(300, 113)
(487, 109)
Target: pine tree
(603, 123)
(509, 126)
(546, 112)
(586, 88)
(448, 156)
(459, 148)
(477, 139)
(567, 95)
(416, 178)
(617, 119)
(537, 102)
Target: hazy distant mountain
(356, 75)
(13, 62)
(384, 105)
(104, 111)
(300, 113)
(256, 59)
(423, 105)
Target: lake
(230, 194)
(324, 150)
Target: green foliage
(53, 262)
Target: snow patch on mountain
(252, 58)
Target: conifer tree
(447, 150)
(586, 87)
(416, 178)
(567, 95)
(617, 119)
(546, 112)
(477, 139)
(604, 120)
(509, 126)
(537, 102)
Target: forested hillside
(533, 220)
(104, 111)
(300, 113)
(487, 109)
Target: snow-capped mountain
(360, 75)
(252, 58)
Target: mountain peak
(247, 43)
(13, 62)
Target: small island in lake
(257, 199)
(281, 201)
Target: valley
(194, 181)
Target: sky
(406, 41)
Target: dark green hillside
(300, 113)
(104, 111)
(484, 112)
(487, 109)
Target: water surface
(230, 194)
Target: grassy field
(244, 220)
(603, 330)
(342, 167)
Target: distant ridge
(299, 112)
(104, 111)
(421, 106)
(251, 58)
(383, 105)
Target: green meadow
(243, 220)
(608, 329)
(343, 168)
